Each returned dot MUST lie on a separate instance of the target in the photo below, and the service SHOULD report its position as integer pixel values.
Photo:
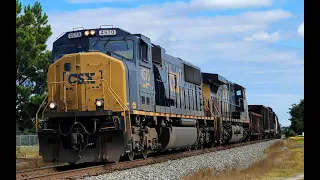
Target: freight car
(114, 94)
(267, 118)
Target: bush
(290, 133)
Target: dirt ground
(297, 177)
(285, 161)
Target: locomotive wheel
(202, 146)
(116, 161)
(145, 149)
(145, 153)
(196, 147)
(130, 156)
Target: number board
(107, 32)
(74, 35)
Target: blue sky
(256, 43)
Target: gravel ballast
(238, 158)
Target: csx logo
(81, 78)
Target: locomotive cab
(121, 43)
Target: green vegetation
(283, 159)
(32, 62)
(297, 120)
(27, 152)
(31, 158)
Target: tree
(297, 117)
(290, 133)
(32, 61)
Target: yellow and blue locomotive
(113, 94)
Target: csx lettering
(81, 78)
(174, 82)
(145, 74)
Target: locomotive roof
(79, 32)
(211, 77)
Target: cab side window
(144, 52)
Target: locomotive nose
(88, 82)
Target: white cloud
(183, 28)
(198, 4)
(257, 52)
(274, 71)
(301, 29)
(229, 4)
(208, 42)
(263, 36)
(95, 1)
(191, 38)
(269, 16)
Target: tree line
(297, 120)
(32, 62)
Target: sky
(258, 44)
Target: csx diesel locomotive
(114, 94)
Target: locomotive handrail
(64, 97)
(44, 110)
(64, 93)
(116, 97)
(37, 120)
(215, 121)
(113, 93)
(126, 108)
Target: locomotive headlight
(99, 102)
(92, 32)
(52, 105)
(86, 33)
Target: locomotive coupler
(77, 140)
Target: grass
(284, 159)
(32, 159)
(297, 139)
(27, 152)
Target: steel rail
(53, 173)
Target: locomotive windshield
(61, 50)
(121, 47)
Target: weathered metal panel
(163, 109)
(256, 123)
(158, 108)
(168, 109)
(173, 110)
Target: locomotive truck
(114, 94)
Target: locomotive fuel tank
(177, 137)
(187, 122)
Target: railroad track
(72, 172)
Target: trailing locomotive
(112, 94)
